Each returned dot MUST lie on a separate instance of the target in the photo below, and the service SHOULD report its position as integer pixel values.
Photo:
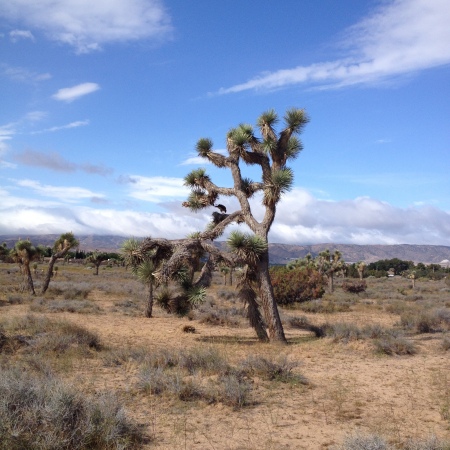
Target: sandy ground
(350, 387)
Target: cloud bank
(301, 217)
(88, 25)
(400, 37)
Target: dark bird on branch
(222, 208)
(218, 217)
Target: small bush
(324, 307)
(431, 443)
(206, 360)
(40, 334)
(302, 323)
(426, 321)
(365, 442)
(446, 343)
(234, 391)
(354, 287)
(279, 370)
(391, 345)
(152, 380)
(344, 332)
(73, 306)
(220, 317)
(44, 413)
(15, 299)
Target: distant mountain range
(279, 253)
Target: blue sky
(102, 104)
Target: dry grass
(366, 371)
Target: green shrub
(296, 285)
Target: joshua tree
(4, 251)
(270, 153)
(361, 267)
(97, 258)
(325, 263)
(143, 266)
(24, 252)
(328, 264)
(60, 249)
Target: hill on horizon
(279, 253)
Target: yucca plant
(269, 152)
(60, 249)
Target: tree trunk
(331, 282)
(96, 268)
(29, 279)
(149, 309)
(254, 314)
(272, 317)
(49, 274)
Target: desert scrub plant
(38, 412)
(426, 321)
(445, 345)
(274, 369)
(354, 287)
(219, 316)
(302, 323)
(429, 443)
(69, 290)
(206, 360)
(364, 442)
(42, 335)
(73, 306)
(323, 307)
(394, 345)
(128, 307)
(234, 391)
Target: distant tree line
(395, 266)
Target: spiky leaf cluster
(204, 146)
(296, 119)
(196, 295)
(247, 246)
(194, 178)
(65, 242)
(280, 182)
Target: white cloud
(194, 159)
(72, 93)
(35, 116)
(400, 37)
(76, 124)
(6, 133)
(22, 75)
(87, 25)
(15, 35)
(156, 189)
(63, 193)
(6, 164)
(301, 218)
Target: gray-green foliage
(40, 412)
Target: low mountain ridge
(279, 253)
